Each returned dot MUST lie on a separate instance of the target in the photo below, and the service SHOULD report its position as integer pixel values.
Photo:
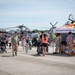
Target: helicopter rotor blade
(70, 17)
(51, 23)
(55, 23)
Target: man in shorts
(14, 42)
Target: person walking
(44, 43)
(58, 43)
(14, 42)
(30, 43)
(9, 41)
(23, 42)
(26, 47)
(69, 41)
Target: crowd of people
(64, 43)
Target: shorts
(15, 46)
(44, 44)
(63, 43)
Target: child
(30, 43)
(23, 41)
(26, 47)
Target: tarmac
(32, 64)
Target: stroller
(3, 47)
(39, 47)
(34, 42)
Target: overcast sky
(35, 14)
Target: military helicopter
(21, 29)
(71, 20)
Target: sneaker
(55, 53)
(16, 53)
(5, 51)
(13, 55)
(43, 54)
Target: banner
(65, 30)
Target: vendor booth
(66, 29)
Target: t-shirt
(58, 40)
(9, 40)
(53, 36)
(64, 37)
(69, 39)
(14, 40)
(30, 42)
